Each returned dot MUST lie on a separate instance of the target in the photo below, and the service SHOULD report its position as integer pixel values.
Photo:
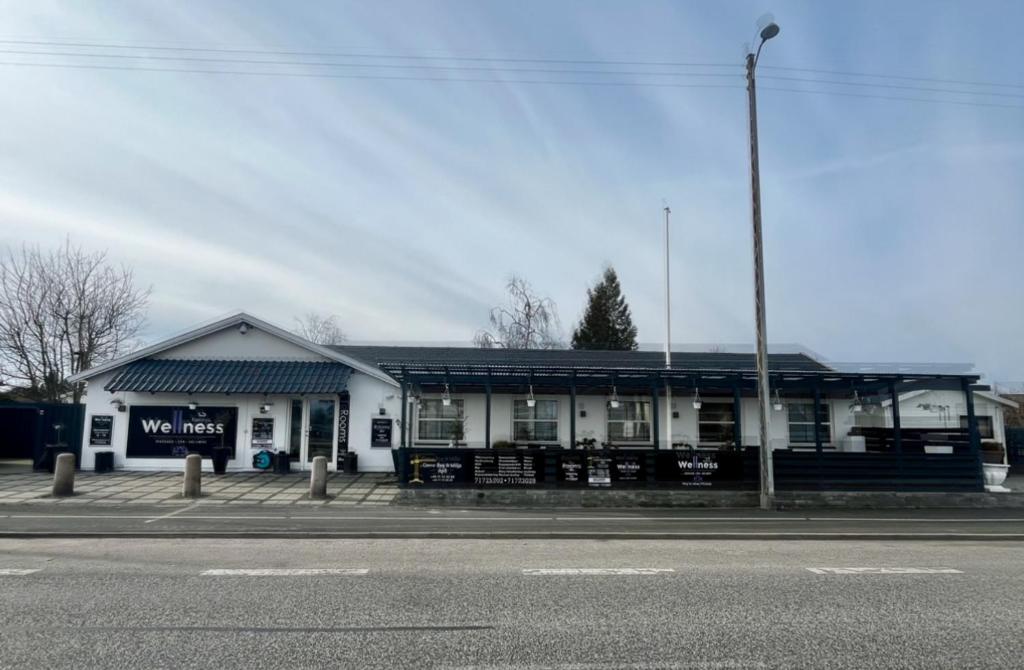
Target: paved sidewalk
(164, 488)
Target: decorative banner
(380, 432)
(262, 432)
(157, 431)
(100, 429)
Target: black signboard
(440, 467)
(629, 468)
(343, 421)
(599, 470)
(697, 468)
(174, 432)
(100, 429)
(262, 432)
(572, 469)
(380, 433)
(505, 467)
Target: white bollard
(192, 485)
(318, 478)
(64, 475)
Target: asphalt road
(396, 522)
(149, 603)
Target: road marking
(885, 571)
(18, 571)
(283, 572)
(596, 571)
(170, 514)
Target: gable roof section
(994, 397)
(171, 375)
(231, 321)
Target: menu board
(380, 432)
(100, 428)
(506, 468)
(262, 432)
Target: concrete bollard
(318, 478)
(193, 485)
(64, 475)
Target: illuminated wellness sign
(172, 432)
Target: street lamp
(763, 392)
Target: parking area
(164, 488)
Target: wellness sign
(174, 432)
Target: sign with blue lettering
(156, 431)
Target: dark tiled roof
(219, 376)
(390, 356)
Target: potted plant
(503, 444)
(993, 465)
(586, 443)
(457, 433)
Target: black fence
(851, 471)
(1015, 448)
(27, 428)
(585, 468)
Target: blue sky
(894, 229)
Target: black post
(897, 439)
(487, 413)
(655, 423)
(737, 417)
(572, 410)
(972, 419)
(817, 420)
(405, 408)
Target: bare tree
(61, 312)
(526, 322)
(319, 329)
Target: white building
(252, 387)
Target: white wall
(230, 344)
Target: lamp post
(763, 390)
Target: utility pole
(763, 387)
(668, 338)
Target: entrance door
(312, 425)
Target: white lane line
(174, 513)
(596, 571)
(17, 572)
(885, 571)
(283, 572)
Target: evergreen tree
(606, 323)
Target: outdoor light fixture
(265, 408)
(192, 404)
(778, 401)
(530, 400)
(614, 401)
(243, 328)
(697, 402)
(446, 397)
(858, 406)
(118, 403)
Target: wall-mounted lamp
(777, 404)
(192, 404)
(265, 407)
(118, 404)
(446, 397)
(697, 402)
(530, 400)
(613, 402)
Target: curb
(517, 535)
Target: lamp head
(769, 31)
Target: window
(715, 423)
(630, 421)
(984, 426)
(440, 423)
(535, 424)
(801, 423)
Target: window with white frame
(534, 424)
(984, 425)
(630, 421)
(801, 422)
(716, 423)
(439, 423)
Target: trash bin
(282, 464)
(221, 456)
(104, 461)
(350, 462)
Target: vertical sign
(343, 420)
(262, 432)
(380, 432)
(100, 429)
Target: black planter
(221, 456)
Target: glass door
(320, 427)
